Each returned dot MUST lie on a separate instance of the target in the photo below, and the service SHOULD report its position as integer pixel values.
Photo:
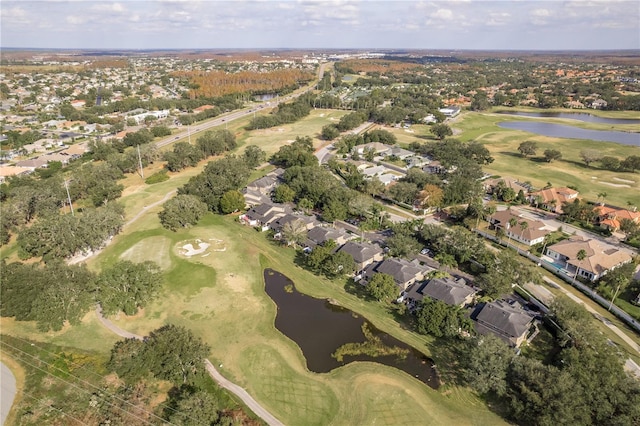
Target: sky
(361, 24)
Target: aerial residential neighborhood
(207, 219)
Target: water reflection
(582, 116)
(571, 132)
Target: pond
(319, 328)
(582, 116)
(571, 132)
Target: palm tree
(523, 225)
(294, 232)
(512, 222)
(546, 240)
(582, 255)
(602, 195)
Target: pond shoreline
(320, 327)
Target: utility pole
(140, 163)
(189, 132)
(66, 185)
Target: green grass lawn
(220, 296)
(270, 140)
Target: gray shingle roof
(359, 251)
(448, 291)
(504, 320)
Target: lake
(571, 132)
(581, 116)
(319, 327)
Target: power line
(83, 367)
(80, 388)
(25, 393)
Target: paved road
(7, 392)
(248, 400)
(235, 115)
(605, 321)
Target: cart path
(241, 393)
(82, 257)
(605, 321)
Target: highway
(235, 115)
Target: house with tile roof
(532, 233)
(508, 321)
(599, 259)
(610, 217)
(552, 198)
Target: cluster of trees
(42, 195)
(607, 162)
(211, 84)
(529, 148)
(62, 236)
(322, 260)
(455, 245)
(507, 194)
(348, 142)
(172, 353)
(505, 271)
(579, 210)
(218, 179)
(462, 162)
(56, 293)
(382, 287)
(210, 144)
(347, 122)
(116, 154)
(618, 281)
(583, 382)
(284, 113)
(441, 320)
(17, 140)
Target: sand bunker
(192, 248)
(617, 185)
(623, 180)
(189, 250)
